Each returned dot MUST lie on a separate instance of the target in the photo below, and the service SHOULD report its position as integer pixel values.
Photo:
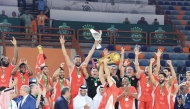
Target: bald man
(25, 100)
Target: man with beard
(75, 70)
(187, 83)
(174, 89)
(59, 82)
(6, 68)
(45, 81)
(111, 91)
(92, 81)
(145, 87)
(82, 101)
(161, 88)
(127, 95)
(22, 72)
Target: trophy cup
(40, 49)
(97, 37)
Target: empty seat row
(174, 3)
(168, 7)
(179, 17)
(175, 12)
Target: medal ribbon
(62, 83)
(3, 72)
(130, 78)
(78, 71)
(161, 88)
(45, 79)
(148, 81)
(126, 96)
(22, 75)
(95, 81)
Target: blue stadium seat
(187, 63)
(90, 62)
(175, 68)
(189, 57)
(179, 4)
(175, 12)
(171, 8)
(187, 27)
(182, 57)
(180, 27)
(131, 56)
(125, 55)
(96, 55)
(183, 8)
(187, 13)
(168, 49)
(168, 12)
(148, 56)
(164, 7)
(174, 57)
(85, 55)
(173, 3)
(177, 49)
(176, 22)
(188, 22)
(153, 49)
(111, 47)
(144, 63)
(172, 17)
(160, 3)
(188, 38)
(185, 18)
(166, 56)
(167, 3)
(144, 49)
(179, 63)
(186, 4)
(162, 63)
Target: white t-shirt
(12, 105)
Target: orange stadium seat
(162, 48)
(118, 48)
(179, 17)
(188, 45)
(181, 12)
(185, 50)
(127, 48)
(183, 22)
(177, 7)
(141, 56)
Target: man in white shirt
(98, 97)
(82, 101)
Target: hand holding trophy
(97, 37)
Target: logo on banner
(160, 36)
(62, 27)
(86, 8)
(5, 26)
(135, 35)
(86, 33)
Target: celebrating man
(7, 67)
(59, 82)
(161, 92)
(75, 70)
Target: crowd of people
(107, 86)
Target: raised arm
(107, 71)
(154, 82)
(56, 73)
(14, 60)
(122, 71)
(122, 58)
(136, 63)
(15, 69)
(87, 59)
(158, 54)
(67, 59)
(101, 74)
(84, 65)
(173, 78)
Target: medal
(126, 99)
(163, 94)
(148, 85)
(79, 76)
(95, 84)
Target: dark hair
(23, 64)
(162, 74)
(167, 69)
(64, 90)
(77, 56)
(155, 19)
(2, 88)
(43, 67)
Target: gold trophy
(114, 58)
(40, 49)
